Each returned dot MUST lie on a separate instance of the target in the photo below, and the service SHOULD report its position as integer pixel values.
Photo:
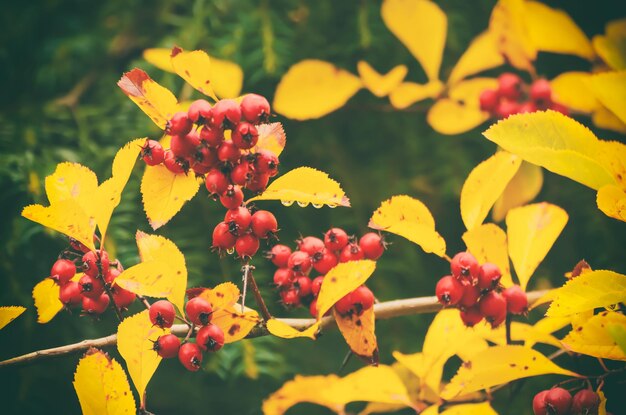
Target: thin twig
(247, 272)
(507, 326)
(107, 286)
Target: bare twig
(247, 272)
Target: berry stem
(107, 287)
(144, 301)
(247, 273)
(507, 326)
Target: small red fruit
(290, 297)
(539, 403)
(110, 276)
(465, 267)
(95, 306)
(179, 124)
(506, 108)
(199, 111)
(167, 346)
(449, 290)
(90, 286)
(255, 108)
(299, 262)
(162, 314)
(516, 300)
(559, 108)
(213, 137)
(303, 285)
(266, 162)
(241, 174)
(247, 245)
(493, 307)
(509, 86)
(527, 107)
(559, 401)
(264, 224)
(258, 182)
(175, 164)
(471, 316)
(228, 152)
(471, 294)
(344, 305)
(283, 277)
(313, 308)
(316, 285)
(362, 299)
(245, 136)
(489, 100)
(62, 271)
(199, 311)
(372, 245)
(324, 261)
(279, 255)
(336, 239)
(226, 114)
(190, 355)
(96, 262)
(489, 276)
(232, 198)
(541, 93)
(223, 238)
(311, 245)
(152, 153)
(184, 146)
(210, 338)
(216, 182)
(351, 252)
(70, 295)
(585, 402)
(122, 297)
(240, 217)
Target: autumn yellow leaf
(520, 332)
(523, 188)
(412, 384)
(305, 185)
(450, 117)
(422, 27)
(195, 68)
(408, 93)
(378, 84)
(603, 118)
(46, 297)
(313, 88)
(610, 89)
(531, 231)
(102, 386)
(615, 160)
(611, 47)
(488, 243)
(159, 57)
(483, 408)
(161, 273)
(484, 185)
(71, 181)
(164, 193)
(497, 365)
(281, 329)
(411, 219)
(573, 90)
(312, 389)
(272, 137)
(611, 200)
(590, 290)
(156, 101)
(508, 26)
(359, 333)
(10, 313)
(593, 337)
(341, 280)
(135, 337)
(482, 54)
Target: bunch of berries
(209, 337)
(475, 289)
(293, 276)
(91, 291)
(558, 401)
(513, 96)
(242, 230)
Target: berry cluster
(292, 278)
(513, 96)
(242, 230)
(209, 337)
(558, 401)
(91, 291)
(475, 289)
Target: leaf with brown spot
(358, 330)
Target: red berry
(190, 356)
(90, 286)
(210, 338)
(336, 239)
(199, 311)
(471, 316)
(199, 111)
(258, 182)
(228, 152)
(179, 124)
(167, 346)
(489, 276)
(152, 153)
(527, 107)
(80, 247)
(351, 252)
(311, 245)
(362, 299)
(283, 277)
(585, 402)
(299, 262)
(558, 400)
(255, 108)
(184, 146)
(226, 114)
(245, 136)
(216, 182)
(213, 137)
(232, 198)
(96, 262)
(493, 307)
(489, 100)
(509, 86)
(162, 313)
(539, 403)
(266, 162)
(279, 255)
(206, 157)
(264, 224)
(449, 290)
(471, 294)
(372, 245)
(240, 216)
(223, 238)
(241, 174)
(316, 285)
(122, 297)
(247, 245)
(344, 305)
(303, 285)
(506, 108)
(97, 305)
(110, 276)
(313, 308)
(70, 295)
(465, 267)
(62, 271)
(290, 297)
(541, 93)
(324, 261)
(175, 164)
(516, 300)
(559, 108)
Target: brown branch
(247, 272)
(386, 310)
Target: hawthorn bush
(181, 244)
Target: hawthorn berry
(162, 314)
(184, 146)
(489, 100)
(283, 277)
(471, 294)
(90, 286)
(506, 108)
(489, 276)
(336, 239)
(241, 174)
(290, 297)
(232, 197)
(206, 157)
(372, 245)
(324, 261)
(213, 137)
(111, 275)
(279, 255)
(97, 305)
(258, 182)
(539, 403)
(167, 346)
(122, 297)
(465, 267)
(190, 355)
(96, 262)
(239, 218)
(199, 311)
(245, 135)
(226, 114)
(585, 402)
(316, 285)
(311, 245)
(152, 153)
(527, 107)
(70, 295)
(264, 224)
(303, 285)
(558, 401)
(493, 307)
(247, 245)
(200, 111)
(216, 182)
(80, 247)
(210, 338)
(362, 299)
(223, 238)
(559, 108)
(471, 316)
(266, 162)
(299, 262)
(62, 271)
(179, 124)
(255, 108)
(313, 308)
(351, 252)
(344, 305)
(516, 300)
(449, 290)
(175, 164)
(541, 93)
(509, 86)
(228, 152)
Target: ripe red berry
(283, 277)
(489, 276)
(62, 271)
(216, 182)
(90, 286)
(240, 216)
(206, 157)
(162, 314)
(559, 108)
(190, 355)
(152, 153)
(232, 198)
(506, 108)
(264, 224)
(223, 238)
(110, 276)
(465, 267)
(122, 297)
(311, 245)
(258, 182)
(279, 255)
(199, 311)
(527, 107)
(290, 297)
(97, 305)
(266, 162)
(372, 245)
(213, 137)
(344, 305)
(96, 262)
(179, 124)
(245, 135)
(585, 402)
(70, 295)
(509, 86)
(313, 308)
(247, 245)
(516, 300)
(210, 338)
(541, 93)
(228, 152)
(539, 403)
(303, 285)
(471, 294)
(362, 299)
(471, 316)
(324, 261)
(489, 100)
(336, 239)
(559, 401)
(184, 146)
(449, 290)
(226, 114)
(299, 262)
(493, 307)
(175, 164)
(167, 346)
(199, 111)
(255, 108)
(351, 252)
(241, 174)
(316, 285)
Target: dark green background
(50, 48)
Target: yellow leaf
(531, 231)
(610, 90)
(593, 338)
(421, 26)
(611, 201)
(411, 219)
(572, 90)
(102, 386)
(450, 117)
(164, 193)
(227, 78)
(484, 185)
(305, 185)
(281, 329)
(312, 389)
(412, 384)
(159, 57)
(483, 408)
(482, 54)
(508, 26)
(341, 280)
(381, 85)
(8, 314)
(314, 88)
(135, 338)
(71, 181)
(604, 118)
(523, 188)
(488, 243)
(553, 30)
(156, 101)
(161, 273)
(556, 142)
(358, 331)
(602, 406)
(195, 68)
(497, 365)
(272, 137)
(615, 160)
(468, 92)
(408, 93)
(46, 296)
(519, 332)
(612, 47)
(588, 291)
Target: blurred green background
(60, 61)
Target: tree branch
(386, 310)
